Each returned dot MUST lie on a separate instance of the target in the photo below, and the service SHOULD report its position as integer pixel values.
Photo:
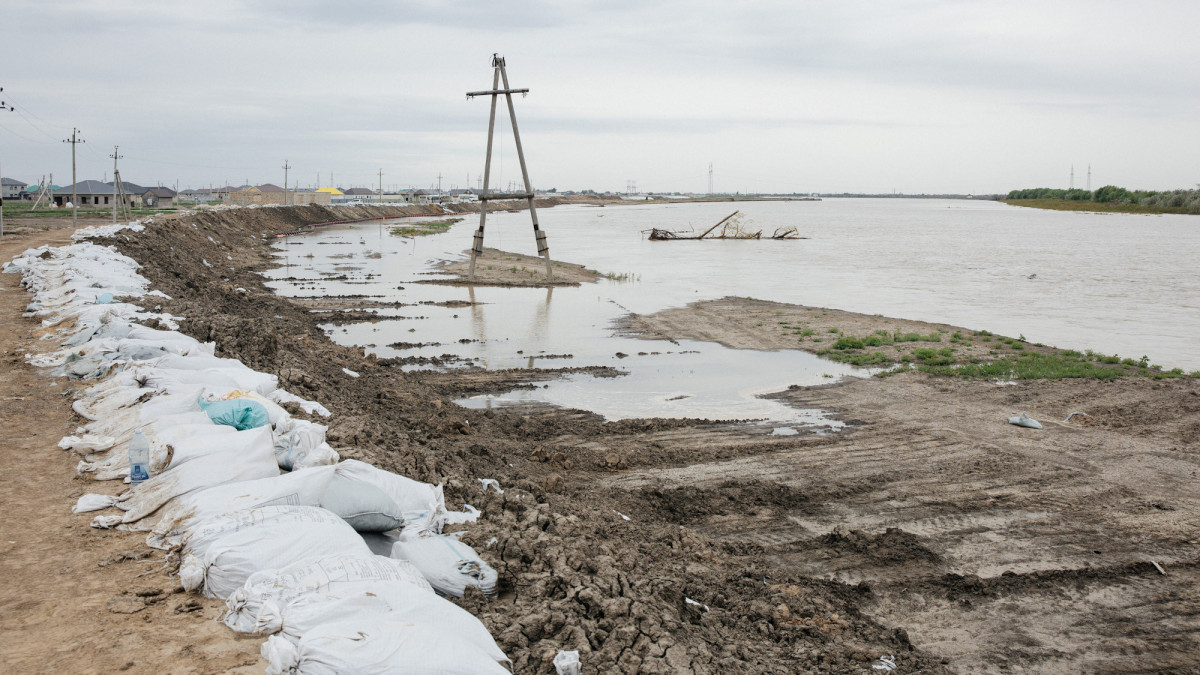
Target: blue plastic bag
(239, 413)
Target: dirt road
(74, 599)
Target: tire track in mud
(907, 512)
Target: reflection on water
(1114, 283)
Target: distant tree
(1112, 193)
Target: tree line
(1188, 200)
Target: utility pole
(381, 186)
(500, 74)
(1089, 176)
(116, 176)
(1072, 177)
(74, 140)
(285, 170)
(9, 108)
(710, 184)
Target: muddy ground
(504, 268)
(929, 529)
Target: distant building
(195, 196)
(159, 197)
(12, 188)
(332, 191)
(94, 193)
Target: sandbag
(237, 413)
(446, 563)
(190, 442)
(220, 553)
(365, 507)
(421, 503)
(366, 601)
(300, 444)
(298, 488)
(339, 574)
(197, 474)
(376, 646)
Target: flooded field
(1113, 283)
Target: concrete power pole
(74, 140)
(9, 108)
(285, 170)
(381, 186)
(116, 176)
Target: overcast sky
(909, 96)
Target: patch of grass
(834, 330)
(848, 343)
(423, 229)
(934, 357)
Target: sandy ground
(930, 529)
(74, 599)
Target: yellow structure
(331, 190)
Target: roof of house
(269, 187)
(359, 191)
(161, 192)
(95, 187)
(331, 190)
(12, 181)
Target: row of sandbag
(288, 549)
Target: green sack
(239, 413)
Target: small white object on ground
(885, 663)
(1024, 420)
(567, 663)
(349, 372)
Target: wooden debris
(730, 229)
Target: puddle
(498, 328)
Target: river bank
(929, 529)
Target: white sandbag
(446, 563)
(202, 472)
(220, 553)
(339, 574)
(197, 440)
(299, 488)
(93, 502)
(369, 601)
(421, 503)
(363, 506)
(247, 377)
(309, 407)
(300, 444)
(370, 647)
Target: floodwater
(1114, 283)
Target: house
(94, 193)
(269, 188)
(361, 192)
(11, 188)
(195, 195)
(332, 191)
(158, 197)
